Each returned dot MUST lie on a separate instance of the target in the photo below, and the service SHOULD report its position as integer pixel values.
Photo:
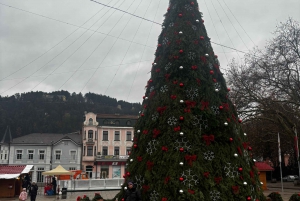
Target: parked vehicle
(290, 178)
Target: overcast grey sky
(83, 46)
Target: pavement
(288, 190)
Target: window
(128, 123)
(128, 150)
(117, 150)
(105, 151)
(39, 175)
(117, 122)
(19, 154)
(117, 135)
(90, 121)
(5, 156)
(30, 154)
(83, 150)
(105, 136)
(57, 154)
(89, 150)
(42, 154)
(90, 134)
(72, 168)
(128, 136)
(73, 155)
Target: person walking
(54, 185)
(34, 189)
(132, 194)
(23, 195)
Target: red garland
(206, 174)
(204, 104)
(177, 128)
(160, 110)
(139, 158)
(218, 180)
(155, 132)
(190, 159)
(150, 165)
(167, 179)
(208, 139)
(191, 191)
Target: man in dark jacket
(132, 194)
(54, 185)
(33, 193)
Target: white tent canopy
(59, 170)
(26, 169)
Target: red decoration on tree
(249, 198)
(180, 51)
(152, 94)
(159, 45)
(167, 76)
(157, 70)
(198, 81)
(164, 199)
(176, 57)
(181, 149)
(211, 72)
(239, 150)
(124, 176)
(190, 104)
(128, 174)
(190, 159)
(245, 145)
(240, 121)
(150, 165)
(180, 14)
(123, 199)
(164, 148)
(135, 145)
(228, 89)
(194, 67)
(139, 158)
(191, 191)
(145, 188)
(181, 118)
(160, 110)
(177, 128)
(206, 174)
(202, 37)
(144, 97)
(251, 174)
(214, 80)
(235, 189)
(221, 107)
(181, 179)
(155, 133)
(173, 97)
(202, 21)
(240, 169)
(181, 84)
(225, 106)
(167, 179)
(203, 59)
(145, 132)
(142, 115)
(249, 148)
(216, 56)
(192, 3)
(231, 139)
(208, 139)
(218, 180)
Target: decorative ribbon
(173, 97)
(208, 139)
(225, 106)
(149, 165)
(155, 132)
(218, 180)
(204, 104)
(191, 191)
(245, 145)
(160, 110)
(190, 104)
(194, 67)
(190, 159)
(239, 150)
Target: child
(23, 195)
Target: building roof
(262, 166)
(47, 138)
(13, 171)
(117, 116)
(6, 137)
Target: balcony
(90, 141)
(111, 157)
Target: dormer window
(90, 121)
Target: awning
(13, 171)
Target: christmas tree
(188, 142)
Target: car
(290, 178)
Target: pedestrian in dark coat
(54, 185)
(132, 194)
(33, 192)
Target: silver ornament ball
(181, 101)
(180, 67)
(180, 191)
(180, 32)
(131, 160)
(181, 163)
(226, 124)
(216, 90)
(206, 55)
(245, 183)
(138, 131)
(181, 134)
(235, 155)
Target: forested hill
(56, 112)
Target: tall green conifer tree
(188, 142)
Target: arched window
(128, 123)
(90, 121)
(105, 122)
(117, 122)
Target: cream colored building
(107, 141)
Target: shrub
(275, 196)
(295, 197)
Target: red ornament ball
(216, 56)
(248, 198)
(150, 81)
(231, 139)
(211, 72)
(169, 9)
(228, 89)
(221, 107)
(202, 21)
(240, 121)
(135, 145)
(249, 148)
(180, 14)
(181, 149)
(181, 118)
(202, 37)
(123, 199)
(142, 115)
(181, 179)
(180, 51)
(144, 97)
(181, 84)
(192, 3)
(124, 176)
(159, 45)
(128, 173)
(240, 169)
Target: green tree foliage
(55, 112)
(188, 142)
